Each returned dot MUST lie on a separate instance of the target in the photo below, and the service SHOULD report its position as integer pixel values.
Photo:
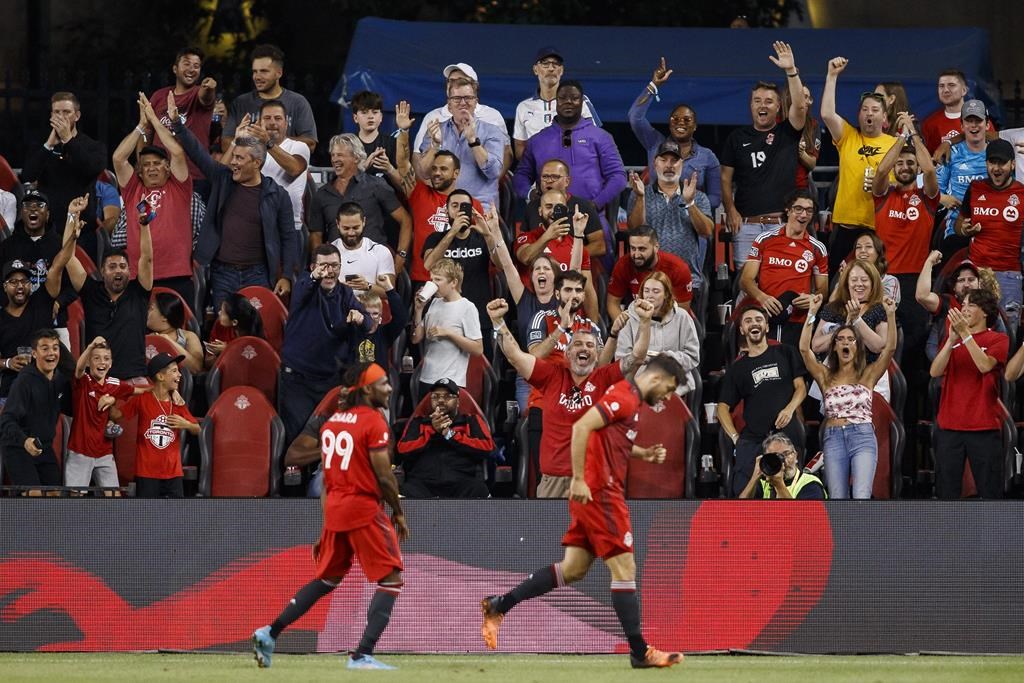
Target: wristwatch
(475, 143)
(403, 253)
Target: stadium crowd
(176, 298)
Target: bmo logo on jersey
(800, 265)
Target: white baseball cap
(464, 68)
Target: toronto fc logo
(159, 434)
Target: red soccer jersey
(938, 128)
(997, 246)
(788, 264)
(353, 494)
(429, 215)
(171, 229)
(904, 220)
(965, 386)
(560, 249)
(87, 437)
(626, 278)
(158, 448)
(564, 402)
(609, 448)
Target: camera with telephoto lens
(771, 464)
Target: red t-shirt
(609, 448)
(626, 278)
(997, 246)
(904, 220)
(171, 229)
(938, 128)
(788, 264)
(560, 249)
(969, 398)
(198, 118)
(564, 402)
(353, 494)
(158, 449)
(429, 215)
(87, 429)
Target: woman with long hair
(237, 318)
(870, 247)
(895, 96)
(846, 380)
(167, 319)
(810, 138)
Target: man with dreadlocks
(357, 480)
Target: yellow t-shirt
(854, 205)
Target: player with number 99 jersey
(346, 440)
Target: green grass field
(498, 668)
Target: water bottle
(407, 364)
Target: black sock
(627, 607)
(377, 616)
(536, 584)
(300, 604)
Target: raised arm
(637, 116)
(72, 228)
(490, 220)
(631, 363)
(523, 362)
(426, 157)
(122, 167)
(403, 155)
(145, 267)
(833, 121)
(179, 167)
(638, 212)
(923, 293)
(195, 151)
(880, 183)
(817, 370)
(785, 60)
(881, 365)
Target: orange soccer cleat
(492, 622)
(656, 658)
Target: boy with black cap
(161, 415)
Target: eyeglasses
(330, 266)
(34, 205)
(550, 178)
(681, 119)
(550, 63)
(802, 209)
(18, 282)
(462, 99)
(567, 139)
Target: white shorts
(80, 470)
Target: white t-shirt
(8, 208)
(1015, 136)
(295, 187)
(442, 359)
(483, 113)
(369, 260)
(534, 115)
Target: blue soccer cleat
(368, 662)
(263, 646)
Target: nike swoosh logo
(746, 144)
(347, 261)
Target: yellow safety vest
(802, 480)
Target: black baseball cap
(17, 266)
(669, 147)
(448, 384)
(549, 51)
(34, 195)
(999, 150)
(153, 149)
(160, 361)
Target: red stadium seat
(272, 312)
(241, 443)
(76, 327)
(891, 440)
(247, 361)
(673, 426)
(481, 381)
(466, 405)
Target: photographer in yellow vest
(778, 475)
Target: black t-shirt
(764, 164)
(585, 206)
(765, 385)
(389, 144)
(471, 253)
(122, 323)
(17, 331)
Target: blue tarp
(714, 69)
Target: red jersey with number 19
(609, 448)
(353, 494)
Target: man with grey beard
(567, 392)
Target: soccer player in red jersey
(602, 442)
(357, 480)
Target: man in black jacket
(28, 424)
(442, 452)
(248, 235)
(67, 164)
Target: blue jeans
(850, 449)
(226, 280)
(1010, 295)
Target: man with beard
(860, 151)
(554, 176)
(599, 526)
(568, 389)
(786, 267)
(163, 183)
(351, 183)
(682, 124)
(551, 331)
(759, 161)
(363, 261)
(28, 423)
(769, 379)
(594, 163)
(194, 102)
(67, 164)
(966, 163)
(991, 216)
(674, 207)
(287, 158)
(479, 145)
(267, 69)
(644, 258)
(117, 306)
